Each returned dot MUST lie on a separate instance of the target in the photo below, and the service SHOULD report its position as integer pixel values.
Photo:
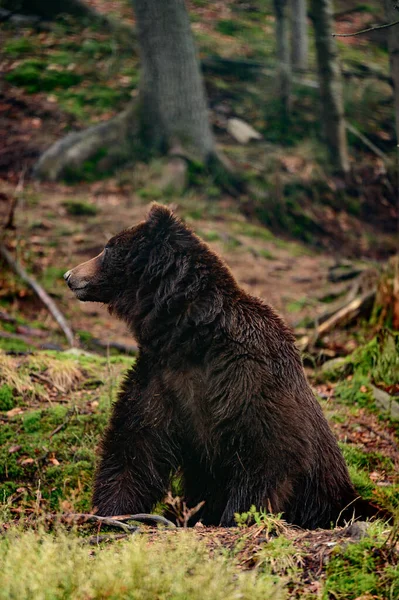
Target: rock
(4, 14)
(357, 530)
(335, 364)
(241, 131)
(24, 20)
(386, 402)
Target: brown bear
(218, 389)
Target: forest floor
(283, 245)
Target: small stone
(241, 131)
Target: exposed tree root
(69, 154)
(112, 143)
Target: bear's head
(156, 275)
(121, 264)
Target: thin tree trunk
(392, 14)
(299, 27)
(283, 54)
(171, 112)
(330, 85)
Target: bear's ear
(160, 217)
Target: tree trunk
(283, 54)
(170, 114)
(299, 30)
(392, 14)
(330, 84)
(174, 109)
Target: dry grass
(11, 374)
(176, 567)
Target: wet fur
(218, 390)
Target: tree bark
(330, 85)
(299, 28)
(392, 14)
(174, 109)
(283, 54)
(170, 115)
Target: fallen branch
(119, 522)
(367, 142)
(343, 316)
(81, 518)
(146, 518)
(368, 30)
(37, 288)
(347, 313)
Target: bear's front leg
(137, 458)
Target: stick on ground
(37, 288)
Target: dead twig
(64, 424)
(146, 518)
(368, 30)
(37, 288)
(118, 522)
(367, 143)
(82, 518)
(48, 381)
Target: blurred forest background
(272, 130)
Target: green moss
(18, 46)
(355, 390)
(297, 305)
(229, 27)
(253, 231)
(266, 254)
(10, 345)
(361, 570)
(80, 208)
(7, 401)
(34, 76)
(209, 236)
(32, 421)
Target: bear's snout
(84, 278)
(73, 281)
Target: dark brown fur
(218, 389)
